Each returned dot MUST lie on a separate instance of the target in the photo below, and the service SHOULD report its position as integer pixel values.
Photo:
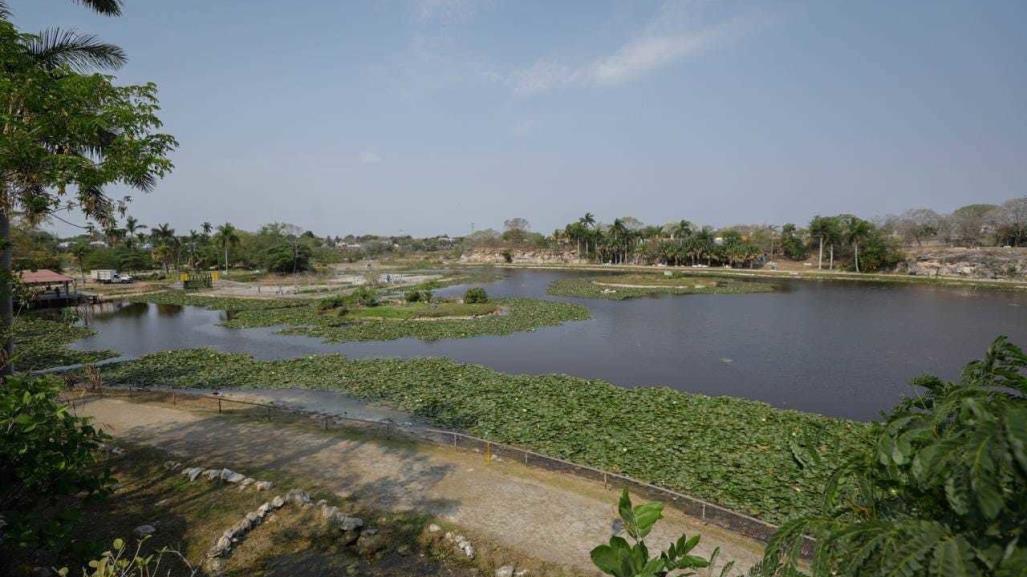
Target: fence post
(606, 485)
(219, 405)
(269, 414)
(174, 400)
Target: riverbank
(811, 275)
(745, 455)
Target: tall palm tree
(132, 226)
(227, 235)
(819, 228)
(857, 230)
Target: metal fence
(692, 506)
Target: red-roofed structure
(44, 276)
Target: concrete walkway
(543, 515)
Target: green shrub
(332, 302)
(412, 296)
(366, 296)
(46, 455)
(476, 295)
(120, 562)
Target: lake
(843, 349)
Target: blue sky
(423, 116)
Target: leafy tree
(943, 492)
(622, 559)
(855, 230)
(68, 133)
(476, 295)
(46, 455)
(791, 243)
(966, 225)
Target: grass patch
(41, 343)
(743, 454)
(412, 311)
(628, 286)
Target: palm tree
(588, 222)
(79, 250)
(227, 235)
(132, 226)
(819, 228)
(856, 231)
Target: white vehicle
(109, 276)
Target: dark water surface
(839, 348)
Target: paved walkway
(543, 515)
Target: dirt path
(538, 514)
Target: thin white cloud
(369, 157)
(446, 11)
(670, 36)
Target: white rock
(231, 476)
(505, 571)
(262, 485)
(246, 482)
(193, 473)
(143, 531)
(433, 528)
(263, 510)
(278, 502)
(212, 474)
(172, 465)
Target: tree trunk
(6, 295)
(855, 247)
(832, 256)
(820, 258)
(226, 259)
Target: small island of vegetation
(629, 286)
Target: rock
(246, 482)
(172, 465)
(344, 522)
(222, 546)
(253, 518)
(262, 485)
(212, 474)
(263, 510)
(231, 476)
(278, 502)
(193, 473)
(298, 497)
(433, 528)
(328, 511)
(505, 571)
(370, 544)
(521, 573)
(144, 531)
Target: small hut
(48, 288)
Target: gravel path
(537, 514)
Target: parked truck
(109, 276)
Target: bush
(476, 295)
(121, 562)
(415, 296)
(366, 296)
(46, 454)
(332, 302)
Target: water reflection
(845, 349)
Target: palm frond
(105, 7)
(54, 47)
(5, 12)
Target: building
(47, 288)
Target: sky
(427, 117)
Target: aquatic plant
(41, 343)
(736, 452)
(628, 286)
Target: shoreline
(814, 275)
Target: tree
(132, 228)
(967, 224)
(79, 250)
(820, 229)
(792, 244)
(516, 229)
(227, 235)
(855, 231)
(918, 225)
(1010, 222)
(941, 491)
(68, 133)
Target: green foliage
(118, 561)
(46, 454)
(620, 559)
(731, 451)
(791, 243)
(332, 302)
(40, 343)
(365, 296)
(476, 295)
(288, 257)
(942, 493)
(416, 296)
